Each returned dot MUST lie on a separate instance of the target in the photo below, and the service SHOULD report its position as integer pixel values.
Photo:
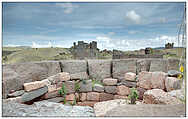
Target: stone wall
(15, 75)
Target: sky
(121, 26)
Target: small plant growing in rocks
(63, 92)
(133, 96)
(77, 86)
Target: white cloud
(133, 16)
(68, 7)
(12, 45)
(132, 32)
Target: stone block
(80, 75)
(109, 81)
(143, 65)
(106, 96)
(93, 96)
(85, 86)
(110, 89)
(159, 65)
(158, 80)
(172, 83)
(144, 80)
(130, 76)
(51, 95)
(70, 97)
(74, 66)
(98, 88)
(123, 90)
(83, 96)
(129, 84)
(53, 88)
(56, 99)
(70, 86)
(122, 66)
(34, 94)
(173, 64)
(158, 96)
(63, 76)
(35, 85)
(99, 69)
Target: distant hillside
(22, 54)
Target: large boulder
(158, 65)
(99, 69)
(16, 94)
(15, 75)
(122, 66)
(172, 83)
(11, 81)
(45, 109)
(73, 66)
(158, 96)
(147, 110)
(143, 65)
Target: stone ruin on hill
(169, 45)
(84, 50)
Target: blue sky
(122, 26)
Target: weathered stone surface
(51, 95)
(63, 76)
(93, 96)
(99, 69)
(110, 89)
(46, 109)
(35, 85)
(141, 92)
(173, 73)
(120, 97)
(70, 86)
(10, 81)
(173, 64)
(158, 96)
(17, 93)
(87, 103)
(101, 108)
(86, 86)
(144, 80)
(109, 81)
(106, 96)
(159, 65)
(129, 84)
(70, 97)
(83, 96)
(56, 99)
(98, 88)
(27, 72)
(77, 96)
(53, 88)
(74, 66)
(158, 80)
(130, 76)
(123, 90)
(172, 83)
(142, 65)
(147, 110)
(180, 94)
(34, 94)
(80, 75)
(15, 99)
(122, 66)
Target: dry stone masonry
(87, 82)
